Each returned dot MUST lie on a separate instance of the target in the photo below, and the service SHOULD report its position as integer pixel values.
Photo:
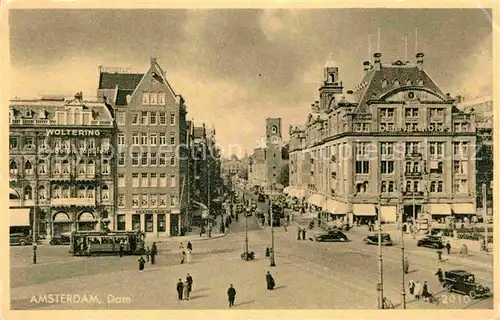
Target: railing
(54, 122)
(73, 201)
(413, 174)
(413, 155)
(413, 193)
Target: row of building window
(436, 186)
(146, 118)
(64, 192)
(153, 99)
(142, 138)
(434, 148)
(144, 179)
(58, 143)
(148, 222)
(411, 112)
(387, 167)
(395, 83)
(147, 159)
(61, 167)
(148, 200)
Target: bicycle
(387, 304)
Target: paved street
(308, 275)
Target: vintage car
(329, 236)
(373, 239)
(463, 282)
(62, 239)
(434, 242)
(20, 239)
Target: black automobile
(373, 239)
(463, 282)
(433, 242)
(19, 239)
(62, 239)
(330, 236)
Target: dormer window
(384, 83)
(420, 82)
(396, 83)
(408, 82)
(29, 114)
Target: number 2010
(450, 299)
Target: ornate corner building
(395, 142)
(61, 165)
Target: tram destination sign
(73, 132)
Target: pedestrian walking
(154, 252)
(440, 255)
(122, 244)
(448, 247)
(406, 265)
(148, 253)
(231, 295)
(464, 251)
(189, 246)
(270, 281)
(189, 279)
(439, 274)
(181, 246)
(285, 226)
(299, 230)
(183, 256)
(411, 287)
(426, 295)
(179, 287)
(185, 290)
(188, 255)
(304, 234)
(418, 290)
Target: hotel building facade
(152, 151)
(61, 165)
(396, 143)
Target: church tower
(331, 84)
(274, 145)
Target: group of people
(184, 288)
(301, 231)
(149, 252)
(420, 291)
(185, 254)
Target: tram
(102, 242)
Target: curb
(181, 239)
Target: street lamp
(272, 263)
(246, 234)
(380, 286)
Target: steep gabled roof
(121, 97)
(125, 81)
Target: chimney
(378, 64)
(366, 66)
(153, 60)
(459, 99)
(313, 108)
(420, 60)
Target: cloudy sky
(236, 67)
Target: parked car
(20, 239)
(62, 239)
(373, 239)
(463, 282)
(329, 236)
(434, 242)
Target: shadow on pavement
(280, 287)
(244, 303)
(198, 296)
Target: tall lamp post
(271, 260)
(380, 285)
(246, 233)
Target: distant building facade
(395, 140)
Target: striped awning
(464, 208)
(364, 209)
(440, 209)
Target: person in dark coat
(411, 287)
(448, 247)
(406, 265)
(141, 263)
(189, 280)
(439, 273)
(426, 295)
(121, 248)
(190, 246)
(154, 252)
(179, 287)
(231, 295)
(299, 230)
(270, 281)
(304, 234)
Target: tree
(284, 175)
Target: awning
(464, 208)
(317, 200)
(86, 217)
(13, 194)
(440, 209)
(364, 209)
(331, 205)
(19, 217)
(388, 213)
(61, 217)
(341, 208)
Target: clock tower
(274, 144)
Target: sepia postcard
(249, 160)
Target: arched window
(12, 167)
(90, 192)
(396, 83)
(81, 191)
(42, 193)
(57, 167)
(28, 168)
(384, 83)
(420, 82)
(408, 82)
(65, 192)
(274, 129)
(105, 193)
(81, 167)
(56, 192)
(105, 166)
(28, 193)
(42, 168)
(90, 167)
(65, 166)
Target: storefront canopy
(19, 217)
(317, 200)
(364, 209)
(440, 209)
(331, 205)
(464, 208)
(341, 208)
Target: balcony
(413, 155)
(416, 194)
(413, 174)
(73, 202)
(85, 176)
